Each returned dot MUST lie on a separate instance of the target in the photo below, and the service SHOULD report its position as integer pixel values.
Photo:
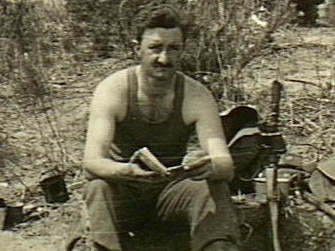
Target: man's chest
(156, 108)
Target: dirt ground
(303, 58)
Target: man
(154, 105)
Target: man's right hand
(136, 173)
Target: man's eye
(175, 47)
(155, 47)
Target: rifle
(274, 147)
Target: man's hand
(136, 173)
(200, 166)
(204, 172)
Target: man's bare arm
(202, 109)
(107, 107)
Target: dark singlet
(167, 140)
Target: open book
(151, 161)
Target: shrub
(226, 35)
(32, 43)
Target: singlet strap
(132, 89)
(179, 98)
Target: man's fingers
(115, 156)
(115, 148)
(115, 153)
(198, 163)
(140, 173)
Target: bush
(33, 42)
(226, 35)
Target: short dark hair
(159, 16)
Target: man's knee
(97, 184)
(204, 188)
(97, 187)
(221, 246)
(199, 193)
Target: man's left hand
(209, 172)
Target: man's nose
(164, 58)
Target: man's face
(160, 52)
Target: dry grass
(303, 64)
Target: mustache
(168, 66)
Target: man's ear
(182, 54)
(136, 46)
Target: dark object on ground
(306, 10)
(14, 215)
(54, 188)
(309, 8)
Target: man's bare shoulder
(110, 96)
(194, 88)
(114, 82)
(197, 101)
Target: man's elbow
(224, 160)
(224, 168)
(88, 169)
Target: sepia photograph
(167, 125)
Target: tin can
(54, 189)
(283, 187)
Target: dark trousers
(204, 208)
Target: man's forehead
(166, 34)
